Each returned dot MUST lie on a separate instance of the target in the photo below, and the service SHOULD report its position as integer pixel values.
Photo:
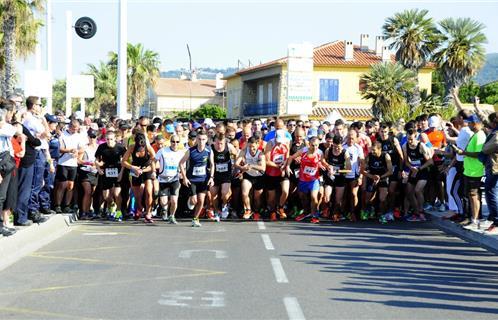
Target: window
(270, 92)
(362, 85)
(329, 90)
(261, 94)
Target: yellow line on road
(121, 282)
(42, 313)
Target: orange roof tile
(181, 88)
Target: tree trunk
(9, 42)
(414, 97)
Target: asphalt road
(249, 270)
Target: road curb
(489, 242)
(28, 240)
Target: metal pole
(48, 22)
(122, 61)
(69, 59)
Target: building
(172, 95)
(334, 83)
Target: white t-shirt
(35, 126)
(355, 155)
(6, 133)
(169, 163)
(462, 140)
(70, 141)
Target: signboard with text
(300, 79)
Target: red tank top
(278, 155)
(310, 165)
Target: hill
(489, 72)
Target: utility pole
(122, 61)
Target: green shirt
(472, 167)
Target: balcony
(260, 109)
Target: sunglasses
(306, 127)
(175, 141)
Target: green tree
(143, 71)
(462, 54)
(19, 29)
(468, 91)
(59, 96)
(388, 84)
(414, 37)
(489, 93)
(105, 79)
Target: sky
(221, 32)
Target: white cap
(434, 122)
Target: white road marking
(261, 225)
(173, 298)
(100, 234)
(293, 308)
(187, 254)
(278, 270)
(217, 299)
(267, 242)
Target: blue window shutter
(323, 89)
(329, 90)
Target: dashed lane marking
(293, 308)
(267, 242)
(261, 225)
(278, 270)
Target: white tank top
(254, 160)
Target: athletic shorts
(383, 183)
(65, 173)
(167, 189)
(472, 185)
(435, 174)
(87, 176)
(395, 176)
(258, 183)
(109, 183)
(308, 186)
(137, 181)
(350, 180)
(421, 175)
(274, 183)
(198, 187)
(220, 179)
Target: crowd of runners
(310, 171)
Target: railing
(260, 109)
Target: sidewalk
(29, 239)
(489, 242)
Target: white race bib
(199, 171)
(111, 172)
(171, 171)
(416, 163)
(310, 171)
(278, 159)
(222, 167)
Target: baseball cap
(433, 122)
(170, 128)
(51, 118)
(91, 133)
(192, 135)
(209, 123)
(473, 118)
(123, 124)
(313, 132)
(196, 125)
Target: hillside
(489, 72)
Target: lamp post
(122, 61)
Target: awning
(348, 113)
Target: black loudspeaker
(85, 27)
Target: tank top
(89, 158)
(222, 162)
(198, 168)
(254, 160)
(389, 148)
(310, 164)
(278, 155)
(377, 165)
(338, 162)
(141, 162)
(416, 157)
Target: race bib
(111, 172)
(416, 163)
(222, 167)
(199, 171)
(310, 171)
(171, 171)
(336, 170)
(278, 159)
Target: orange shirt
(436, 138)
(17, 148)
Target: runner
(355, 177)
(167, 164)
(87, 174)
(199, 175)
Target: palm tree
(143, 71)
(462, 54)
(19, 30)
(414, 37)
(388, 84)
(105, 78)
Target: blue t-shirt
(271, 135)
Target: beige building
(171, 95)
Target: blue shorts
(308, 186)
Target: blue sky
(221, 32)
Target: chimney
(386, 54)
(364, 42)
(379, 43)
(219, 82)
(348, 50)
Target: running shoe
(217, 217)
(351, 216)
(428, 207)
(172, 220)
(315, 220)
(382, 219)
(296, 212)
(492, 230)
(473, 226)
(484, 224)
(413, 218)
(303, 216)
(256, 216)
(247, 214)
(336, 217)
(372, 214)
(58, 210)
(118, 216)
(442, 208)
(113, 207)
(196, 223)
(397, 213)
(164, 216)
(364, 214)
(273, 216)
(282, 214)
(389, 216)
(225, 212)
